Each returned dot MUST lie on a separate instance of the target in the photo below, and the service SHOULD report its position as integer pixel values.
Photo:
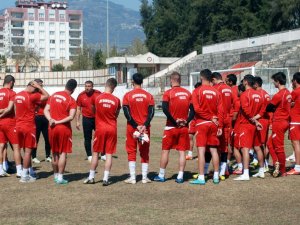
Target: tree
(99, 60)
(83, 60)
(58, 67)
(27, 58)
(137, 47)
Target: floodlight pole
(107, 30)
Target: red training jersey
(266, 99)
(138, 101)
(39, 108)
(107, 106)
(25, 108)
(295, 110)
(251, 104)
(84, 101)
(227, 98)
(60, 105)
(207, 103)
(179, 100)
(235, 98)
(282, 101)
(7, 95)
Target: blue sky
(132, 4)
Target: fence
(99, 77)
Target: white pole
(107, 30)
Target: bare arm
(68, 118)
(78, 113)
(44, 93)
(7, 110)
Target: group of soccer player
(224, 121)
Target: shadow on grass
(75, 176)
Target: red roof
(237, 66)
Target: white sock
(24, 172)
(19, 169)
(162, 172)
(251, 151)
(92, 174)
(297, 168)
(206, 167)
(5, 165)
(216, 175)
(201, 177)
(261, 170)
(59, 177)
(223, 168)
(180, 175)
(240, 166)
(266, 163)
(55, 175)
(1, 169)
(31, 171)
(246, 172)
(228, 161)
(132, 169)
(106, 175)
(190, 153)
(145, 170)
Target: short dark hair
(241, 88)
(38, 80)
(258, 81)
(137, 78)
(8, 79)
(216, 75)
(206, 74)
(71, 85)
(296, 77)
(198, 84)
(89, 82)
(112, 83)
(232, 78)
(176, 76)
(279, 77)
(250, 79)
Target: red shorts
(264, 132)
(176, 138)
(132, 144)
(8, 133)
(206, 134)
(224, 140)
(192, 127)
(60, 138)
(236, 140)
(26, 137)
(248, 133)
(105, 141)
(294, 132)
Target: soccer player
(264, 120)
(178, 108)
(107, 109)
(280, 105)
(251, 110)
(42, 124)
(60, 111)
(227, 101)
(8, 125)
(25, 102)
(295, 123)
(192, 132)
(138, 107)
(207, 102)
(84, 107)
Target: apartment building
(47, 27)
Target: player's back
(179, 100)
(282, 101)
(206, 101)
(107, 107)
(25, 108)
(227, 97)
(7, 95)
(138, 101)
(266, 100)
(60, 105)
(251, 104)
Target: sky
(132, 4)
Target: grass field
(268, 201)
